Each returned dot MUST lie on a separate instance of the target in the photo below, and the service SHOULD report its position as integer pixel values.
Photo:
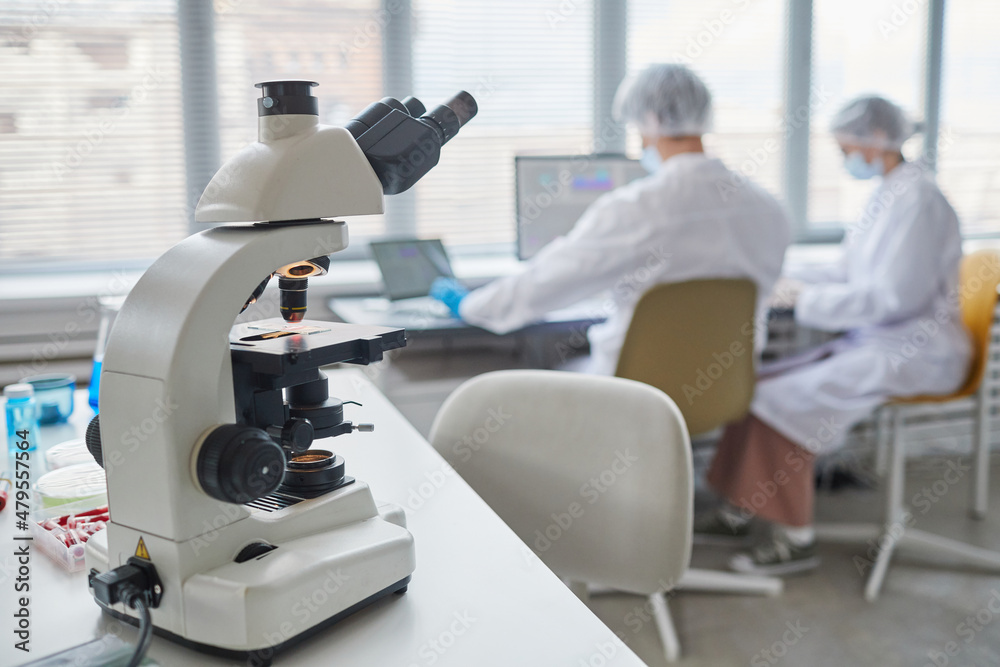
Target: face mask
(650, 159)
(858, 168)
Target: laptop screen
(409, 267)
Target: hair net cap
(872, 121)
(667, 100)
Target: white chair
(594, 473)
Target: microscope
(229, 531)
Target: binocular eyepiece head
(446, 119)
(402, 140)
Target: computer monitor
(410, 266)
(554, 191)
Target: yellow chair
(978, 282)
(694, 341)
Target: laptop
(409, 267)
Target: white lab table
(479, 595)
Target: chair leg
(726, 582)
(981, 457)
(665, 625)
(874, 585)
(882, 427)
(894, 489)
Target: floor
(926, 615)
(923, 613)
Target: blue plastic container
(22, 422)
(53, 396)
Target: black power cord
(136, 600)
(136, 585)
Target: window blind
(530, 66)
(969, 142)
(91, 145)
(337, 44)
(859, 46)
(736, 47)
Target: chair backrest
(979, 276)
(695, 341)
(593, 473)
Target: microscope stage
(276, 347)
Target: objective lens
(292, 298)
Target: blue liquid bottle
(22, 420)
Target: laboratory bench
(479, 596)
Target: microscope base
(255, 605)
(263, 657)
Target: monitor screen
(409, 267)
(554, 191)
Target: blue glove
(449, 292)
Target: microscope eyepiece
(402, 140)
(414, 107)
(453, 114)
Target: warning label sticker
(141, 551)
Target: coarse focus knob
(93, 439)
(238, 463)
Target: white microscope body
(195, 444)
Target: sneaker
(776, 556)
(719, 528)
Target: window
(336, 44)
(93, 168)
(737, 48)
(91, 151)
(859, 46)
(529, 64)
(969, 144)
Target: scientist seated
(897, 277)
(691, 218)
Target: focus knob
(238, 464)
(93, 439)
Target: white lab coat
(693, 218)
(895, 292)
